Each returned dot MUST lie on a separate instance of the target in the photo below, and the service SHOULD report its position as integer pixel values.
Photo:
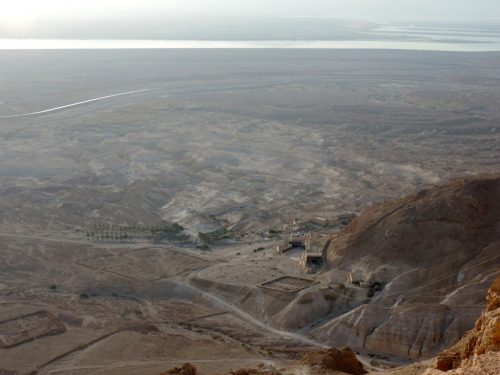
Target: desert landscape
(245, 140)
(252, 137)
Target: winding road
(78, 103)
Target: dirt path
(60, 240)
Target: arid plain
(247, 139)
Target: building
(290, 242)
(315, 245)
(311, 261)
(343, 219)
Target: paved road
(76, 104)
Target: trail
(82, 242)
(76, 104)
(250, 319)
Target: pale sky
(440, 8)
(21, 16)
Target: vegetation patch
(330, 295)
(216, 235)
(202, 247)
(171, 232)
(305, 299)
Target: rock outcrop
(435, 252)
(189, 369)
(488, 326)
(343, 360)
(186, 369)
(483, 339)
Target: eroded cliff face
(479, 346)
(407, 331)
(436, 252)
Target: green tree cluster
(216, 235)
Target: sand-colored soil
(130, 308)
(28, 327)
(243, 139)
(247, 138)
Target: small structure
(291, 242)
(355, 277)
(296, 226)
(343, 219)
(289, 284)
(311, 261)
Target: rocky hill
(429, 258)
(407, 278)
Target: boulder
(186, 369)
(342, 359)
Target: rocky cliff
(435, 253)
(479, 346)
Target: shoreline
(117, 44)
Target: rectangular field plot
(288, 284)
(147, 264)
(25, 328)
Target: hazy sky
(17, 16)
(438, 8)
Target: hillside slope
(435, 252)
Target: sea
(388, 34)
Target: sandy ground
(249, 139)
(253, 268)
(245, 139)
(132, 308)
(139, 309)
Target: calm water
(357, 44)
(430, 36)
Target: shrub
(376, 285)
(330, 295)
(84, 295)
(305, 300)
